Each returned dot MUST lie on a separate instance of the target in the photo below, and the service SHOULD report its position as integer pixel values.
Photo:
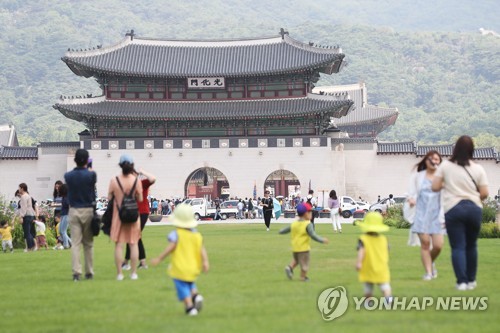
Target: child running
(373, 256)
(189, 257)
(6, 234)
(41, 240)
(302, 231)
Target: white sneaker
(471, 285)
(119, 277)
(126, 267)
(134, 276)
(198, 302)
(267, 229)
(192, 312)
(427, 277)
(462, 286)
(434, 271)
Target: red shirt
(144, 204)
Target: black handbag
(108, 217)
(96, 224)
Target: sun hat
(303, 208)
(183, 217)
(373, 222)
(126, 158)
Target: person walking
(240, 207)
(57, 198)
(333, 204)
(311, 200)
(27, 214)
(267, 207)
(81, 198)
(250, 208)
(147, 180)
(121, 232)
(429, 216)
(464, 185)
(63, 225)
(217, 216)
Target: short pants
(303, 259)
(41, 240)
(7, 244)
(184, 288)
(383, 287)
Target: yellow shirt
(186, 258)
(6, 233)
(301, 241)
(375, 265)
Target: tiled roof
(396, 148)
(228, 58)
(363, 113)
(18, 153)
(486, 153)
(353, 140)
(84, 109)
(69, 144)
(444, 150)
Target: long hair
(127, 168)
(463, 151)
(63, 190)
(333, 195)
(422, 166)
(57, 192)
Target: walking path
(281, 220)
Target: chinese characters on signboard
(205, 82)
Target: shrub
(489, 230)
(489, 211)
(394, 218)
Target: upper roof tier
(142, 57)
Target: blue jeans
(463, 223)
(63, 229)
(27, 222)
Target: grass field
(245, 291)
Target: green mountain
(425, 57)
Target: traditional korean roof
(65, 144)
(443, 150)
(145, 57)
(396, 147)
(486, 153)
(363, 113)
(18, 153)
(100, 107)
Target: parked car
(363, 205)
(228, 209)
(381, 206)
(347, 206)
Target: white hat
(183, 217)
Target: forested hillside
(445, 83)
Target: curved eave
(331, 66)
(388, 120)
(329, 109)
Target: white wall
(350, 172)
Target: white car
(363, 205)
(381, 206)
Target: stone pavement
(281, 220)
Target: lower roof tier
(85, 109)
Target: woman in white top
(333, 204)
(429, 216)
(464, 185)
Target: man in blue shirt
(81, 197)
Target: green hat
(183, 217)
(373, 222)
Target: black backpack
(129, 209)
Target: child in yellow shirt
(6, 233)
(302, 232)
(373, 256)
(189, 257)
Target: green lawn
(246, 289)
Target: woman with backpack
(126, 190)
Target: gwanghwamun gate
(216, 118)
